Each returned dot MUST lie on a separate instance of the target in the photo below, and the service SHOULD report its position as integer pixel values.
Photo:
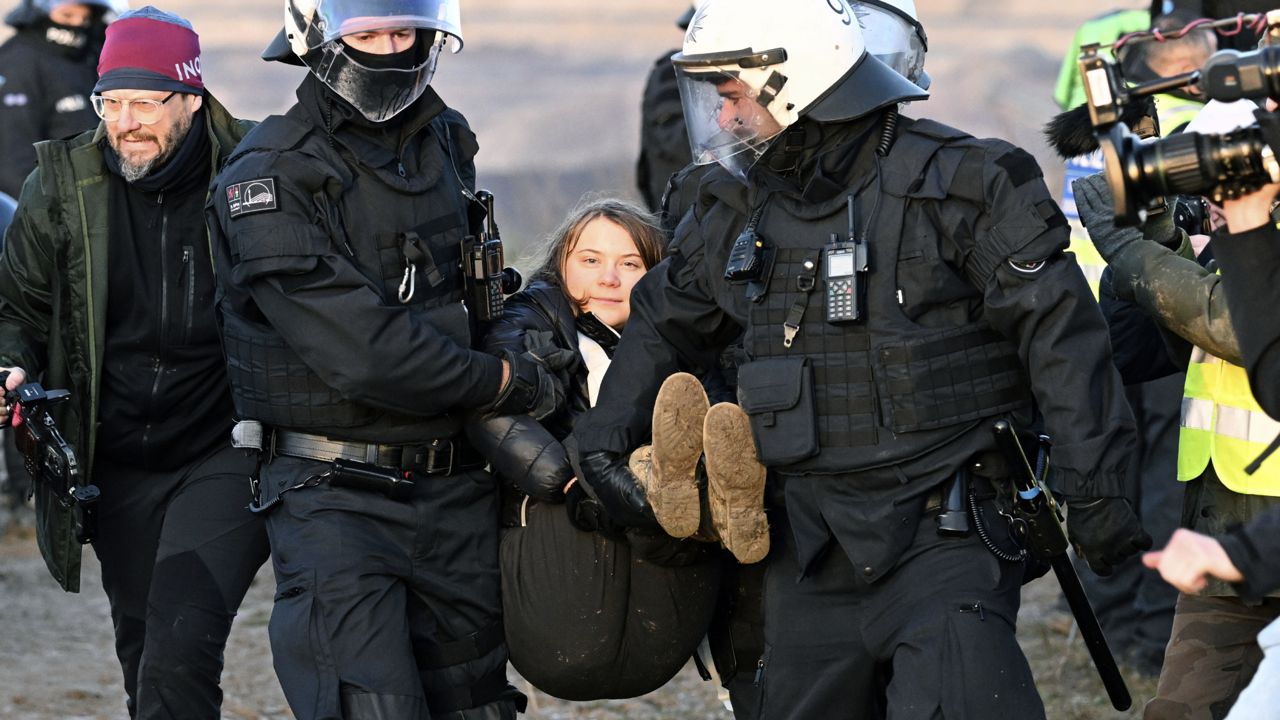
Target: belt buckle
(436, 447)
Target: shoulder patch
(1020, 166)
(252, 196)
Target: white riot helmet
(314, 28)
(895, 36)
(750, 68)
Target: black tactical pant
(591, 616)
(933, 639)
(178, 550)
(387, 608)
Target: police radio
(748, 255)
(486, 279)
(845, 271)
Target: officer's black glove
(531, 389)
(1093, 204)
(618, 489)
(521, 451)
(1104, 531)
(541, 345)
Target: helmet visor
(727, 121)
(334, 18)
(894, 41)
(377, 93)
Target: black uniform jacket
(44, 95)
(684, 312)
(331, 294)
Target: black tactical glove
(1093, 204)
(541, 345)
(1104, 531)
(521, 451)
(618, 489)
(531, 389)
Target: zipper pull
(759, 671)
(400, 169)
(160, 198)
(974, 608)
(186, 263)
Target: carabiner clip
(408, 284)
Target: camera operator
(106, 289)
(1180, 295)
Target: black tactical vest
(269, 381)
(847, 397)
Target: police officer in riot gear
(901, 285)
(338, 229)
(47, 71)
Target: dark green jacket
(53, 299)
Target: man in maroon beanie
(106, 289)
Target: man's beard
(133, 172)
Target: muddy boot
(672, 486)
(735, 483)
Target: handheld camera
(50, 460)
(1220, 166)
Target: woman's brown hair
(640, 225)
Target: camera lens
(1171, 166)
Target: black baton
(1046, 539)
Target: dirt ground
(552, 89)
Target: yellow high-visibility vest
(1222, 422)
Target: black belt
(442, 456)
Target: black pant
(388, 608)
(178, 550)
(590, 616)
(939, 628)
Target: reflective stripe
(1221, 421)
(1197, 414)
(1241, 424)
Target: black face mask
(69, 40)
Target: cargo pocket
(301, 651)
(777, 394)
(983, 671)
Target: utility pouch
(777, 394)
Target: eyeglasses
(144, 110)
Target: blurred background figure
(1135, 608)
(47, 70)
(664, 146)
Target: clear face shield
(727, 117)
(892, 39)
(378, 92)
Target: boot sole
(735, 483)
(678, 415)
